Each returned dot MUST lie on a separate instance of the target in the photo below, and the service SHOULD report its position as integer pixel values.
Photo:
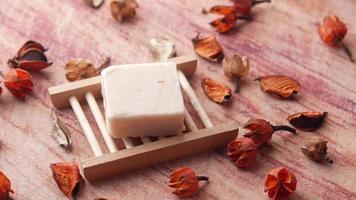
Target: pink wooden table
(282, 39)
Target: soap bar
(142, 100)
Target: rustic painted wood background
(282, 39)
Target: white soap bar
(142, 100)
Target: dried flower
(260, 130)
(95, 3)
(332, 32)
(31, 56)
(282, 86)
(59, 131)
(185, 182)
(5, 187)
(162, 49)
(243, 151)
(307, 121)
(279, 183)
(79, 69)
(67, 177)
(244, 7)
(235, 68)
(208, 48)
(216, 91)
(123, 9)
(316, 149)
(18, 82)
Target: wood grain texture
(282, 39)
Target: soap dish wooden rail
(149, 152)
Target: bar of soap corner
(142, 100)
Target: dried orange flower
(18, 82)
(332, 32)
(67, 177)
(307, 121)
(279, 183)
(228, 21)
(244, 6)
(80, 69)
(243, 151)
(260, 130)
(316, 149)
(123, 9)
(5, 187)
(235, 68)
(30, 57)
(216, 91)
(208, 48)
(282, 86)
(185, 182)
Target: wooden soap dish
(149, 152)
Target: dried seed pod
(282, 86)
(162, 49)
(332, 32)
(307, 121)
(95, 3)
(260, 130)
(185, 182)
(208, 48)
(18, 82)
(279, 183)
(243, 151)
(244, 7)
(235, 68)
(216, 91)
(5, 187)
(123, 9)
(81, 69)
(316, 149)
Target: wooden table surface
(282, 39)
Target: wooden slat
(160, 151)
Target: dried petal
(279, 183)
(123, 9)
(79, 69)
(59, 131)
(5, 187)
(162, 49)
(316, 149)
(67, 177)
(18, 82)
(243, 151)
(216, 91)
(30, 45)
(307, 121)
(282, 86)
(95, 3)
(208, 48)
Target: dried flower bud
(235, 68)
(316, 149)
(307, 121)
(279, 183)
(162, 49)
(95, 3)
(260, 130)
(123, 9)
(208, 48)
(244, 7)
(185, 182)
(216, 91)
(282, 86)
(5, 187)
(31, 56)
(243, 151)
(79, 69)
(18, 82)
(332, 32)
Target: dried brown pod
(81, 69)
(316, 149)
(123, 9)
(307, 121)
(208, 48)
(95, 3)
(162, 49)
(282, 86)
(216, 91)
(235, 68)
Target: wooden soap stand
(150, 152)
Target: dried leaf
(282, 86)
(123, 9)
(59, 131)
(5, 187)
(316, 149)
(216, 91)
(79, 69)
(208, 48)
(307, 121)
(95, 3)
(162, 49)
(67, 177)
